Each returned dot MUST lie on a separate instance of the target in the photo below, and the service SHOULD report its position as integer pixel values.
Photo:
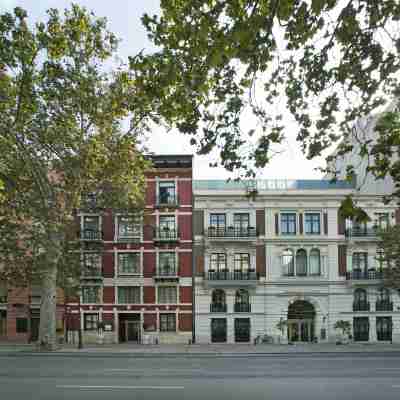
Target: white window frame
(117, 272)
(167, 285)
(125, 286)
(116, 228)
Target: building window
(301, 262)
(288, 223)
(129, 295)
(167, 295)
(382, 220)
(21, 325)
(167, 227)
(166, 192)
(167, 264)
(218, 220)
(360, 261)
(241, 221)
(313, 223)
(380, 258)
(218, 262)
(242, 301)
(91, 264)
(128, 263)
(242, 262)
(168, 322)
(91, 228)
(129, 227)
(360, 300)
(384, 328)
(288, 263)
(90, 322)
(361, 329)
(91, 294)
(315, 262)
(3, 322)
(218, 301)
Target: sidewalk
(209, 350)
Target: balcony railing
(242, 307)
(226, 275)
(362, 232)
(218, 308)
(167, 201)
(166, 234)
(167, 271)
(383, 305)
(231, 232)
(361, 306)
(91, 235)
(364, 275)
(92, 273)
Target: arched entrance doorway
(301, 316)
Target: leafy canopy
(224, 62)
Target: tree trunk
(48, 306)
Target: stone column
(372, 329)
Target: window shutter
(301, 224)
(341, 225)
(276, 224)
(325, 223)
(342, 258)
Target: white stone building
(282, 263)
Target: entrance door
(35, 322)
(132, 331)
(218, 330)
(301, 316)
(242, 330)
(361, 329)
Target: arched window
(360, 295)
(383, 295)
(218, 301)
(288, 263)
(301, 263)
(242, 301)
(315, 262)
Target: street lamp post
(80, 345)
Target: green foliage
(349, 210)
(390, 256)
(329, 61)
(62, 123)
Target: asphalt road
(300, 376)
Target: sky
(124, 20)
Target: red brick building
(136, 270)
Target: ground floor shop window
(384, 328)
(167, 322)
(91, 322)
(242, 330)
(218, 330)
(21, 325)
(361, 329)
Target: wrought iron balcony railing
(231, 232)
(242, 307)
(383, 305)
(167, 201)
(226, 275)
(92, 272)
(218, 307)
(367, 275)
(91, 235)
(361, 306)
(166, 234)
(362, 231)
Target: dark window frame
(313, 221)
(167, 322)
(288, 223)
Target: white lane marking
(121, 387)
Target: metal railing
(91, 234)
(226, 275)
(93, 272)
(217, 307)
(242, 307)
(167, 201)
(383, 305)
(231, 232)
(362, 232)
(361, 306)
(367, 275)
(166, 234)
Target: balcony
(232, 233)
(166, 235)
(167, 273)
(92, 273)
(231, 278)
(361, 306)
(218, 308)
(362, 232)
(383, 305)
(129, 238)
(242, 307)
(364, 275)
(167, 201)
(91, 235)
